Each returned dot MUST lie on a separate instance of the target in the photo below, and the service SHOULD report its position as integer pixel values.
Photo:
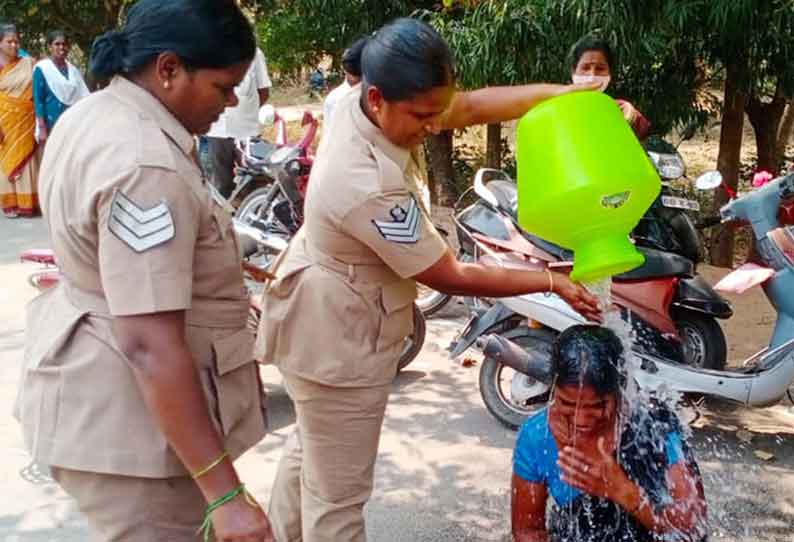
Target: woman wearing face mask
(57, 85)
(349, 276)
(592, 61)
(613, 477)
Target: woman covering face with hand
(337, 315)
(614, 472)
(140, 357)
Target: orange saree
(18, 158)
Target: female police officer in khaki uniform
(335, 318)
(138, 370)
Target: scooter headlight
(669, 166)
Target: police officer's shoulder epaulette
(155, 149)
(390, 176)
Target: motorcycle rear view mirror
(267, 115)
(479, 185)
(709, 180)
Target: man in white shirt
(351, 64)
(239, 122)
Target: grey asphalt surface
(444, 466)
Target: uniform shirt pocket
(236, 380)
(397, 320)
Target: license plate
(680, 203)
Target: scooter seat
(562, 254)
(659, 264)
(261, 149)
(506, 194)
(38, 255)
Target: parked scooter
(670, 308)
(666, 226)
(763, 378)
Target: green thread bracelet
(206, 526)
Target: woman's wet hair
(205, 34)
(591, 43)
(587, 355)
(405, 58)
(7, 28)
(56, 34)
(351, 58)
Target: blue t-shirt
(535, 457)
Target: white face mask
(602, 80)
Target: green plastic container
(584, 181)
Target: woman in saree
(19, 160)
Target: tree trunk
(728, 160)
(441, 175)
(786, 130)
(493, 146)
(765, 118)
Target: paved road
(443, 472)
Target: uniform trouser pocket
(338, 435)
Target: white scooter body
(764, 377)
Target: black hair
(54, 35)
(591, 43)
(588, 355)
(203, 33)
(405, 58)
(7, 28)
(351, 58)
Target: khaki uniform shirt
(341, 307)
(135, 231)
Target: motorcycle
(666, 226)
(762, 379)
(670, 308)
(251, 242)
(277, 209)
(259, 160)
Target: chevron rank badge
(405, 224)
(139, 228)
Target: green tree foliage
(520, 41)
(83, 20)
(300, 33)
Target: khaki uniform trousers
(326, 472)
(129, 509)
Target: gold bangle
(551, 281)
(205, 470)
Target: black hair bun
(107, 54)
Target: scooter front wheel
(702, 339)
(512, 397)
